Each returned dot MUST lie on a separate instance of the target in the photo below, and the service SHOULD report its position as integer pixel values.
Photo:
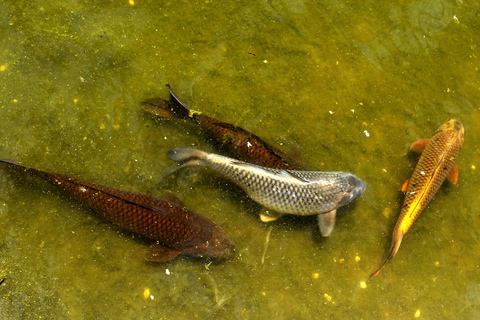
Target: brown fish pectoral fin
(269, 216)
(405, 186)
(453, 174)
(419, 146)
(326, 222)
(159, 253)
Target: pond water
(350, 84)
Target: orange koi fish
(436, 163)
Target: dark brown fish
(175, 229)
(240, 143)
(436, 163)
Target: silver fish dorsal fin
(288, 173)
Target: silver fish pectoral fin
(269, 215)
(326, 222)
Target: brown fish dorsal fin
(159, 253)
(269, 215)
(171, 197)
(296, 155)
(405, 186)
(419, 146)
(453, 174)
(326, 222)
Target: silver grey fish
(282, 191)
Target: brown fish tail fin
(173, 108)
(19, 169)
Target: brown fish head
(210, 241)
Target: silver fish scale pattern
(294, 192)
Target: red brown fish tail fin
(393, 251)
(19, 169)
(173, 108)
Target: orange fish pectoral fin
(419, 146)
(405, 186)
(453, 174)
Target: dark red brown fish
(240, 143)
(436, 163)
(175, 229)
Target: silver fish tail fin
(189, 156)
(183, 153)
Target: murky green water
(352, 84)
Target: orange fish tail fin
(373, 275)
(393, 251)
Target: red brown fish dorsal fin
(419, 146)
(159, 253)
(453, 174)
(405, 186)
(172, 198)
(295, 154)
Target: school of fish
(276, 180)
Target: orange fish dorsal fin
(419, 146)
(405, 186)
(453, 174)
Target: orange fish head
(453, 124)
